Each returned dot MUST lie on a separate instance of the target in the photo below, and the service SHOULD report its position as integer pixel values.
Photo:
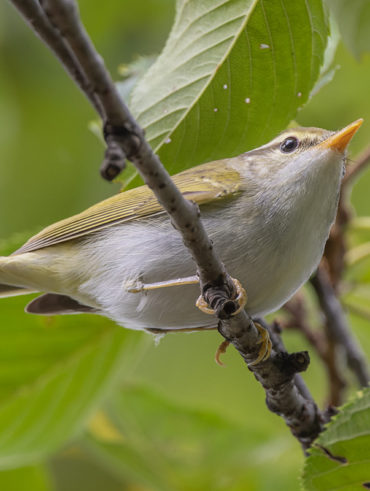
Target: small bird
(267, 211)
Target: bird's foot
(266, 345)
(220, 351)
(241, 299)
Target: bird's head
(301, 154)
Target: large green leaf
(340, 458)
(353, 19)
(156, 444)
(232, 74)
(54, 372)
(33, 478)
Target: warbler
(268, 212)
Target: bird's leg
(139, 286)
(265, 341)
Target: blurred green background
(49, 164)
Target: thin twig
(277, 374)
(336, 246)
(321, 344)
(34, 14)
(338, 328)
(360, 163)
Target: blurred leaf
(53, 373)
(232, 74)
(358, 253)
(328, 70)
(358, 300)
(27, 478)
(358, 264)
(160, 445)
(72, 469)
(360, 223)
(131, 74)
(10, 244)
(340, 458)
(353, 19)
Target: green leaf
(358, 263)
(353, 19)
(33, 478)
(360, 223)
(54, 372)
(131, 74)
(328, 69)
(232, 74)
(357, 300)
(158, 444)
(340, 458)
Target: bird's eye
(289, 144)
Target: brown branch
(33, 13)
(360, 163)
(337, 326)
(320, 341)
(327, 281)
(336, 247)
(125, 138)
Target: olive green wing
(202, 184)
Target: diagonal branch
(33, 13)
(125, 138)
(359, 165)
(338, 328)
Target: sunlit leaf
(131, 73)
(232, 74)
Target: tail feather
(10, 283)
(11, 291)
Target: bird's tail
(8, 283)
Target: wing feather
(202, 184)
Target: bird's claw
(266, 345)
(220, 351)
(241, 299)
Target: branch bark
(284, 395)
(337, 326)
(321, 343)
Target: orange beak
(341, 138)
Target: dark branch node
(114, 161)
(125, 136)
(291, 363)
(218, 295)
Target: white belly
(271, 265)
